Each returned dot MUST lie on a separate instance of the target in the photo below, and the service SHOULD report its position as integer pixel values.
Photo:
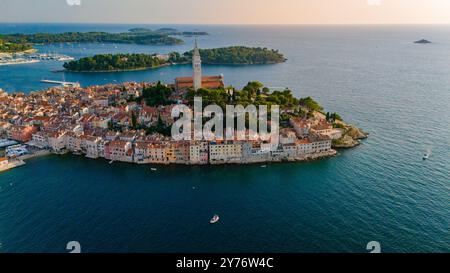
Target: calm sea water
(375, 77)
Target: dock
(66, 84)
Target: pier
(66, 84)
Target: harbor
(14, 154)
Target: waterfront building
(227, 152)
(182, 152)
(157, 154)
(304, 147)
(119, 150)
(253, 153)
(198, 152)
(73, 142)
(90, 146)
(289, 151)
(320, 143)
(39, 139)
(142, 152)
(57, 141)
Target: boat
(215, 219)
(153, 169)
(426, 155)
(111, 162)
(264, 166)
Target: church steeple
(197, 66)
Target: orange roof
(207, 82)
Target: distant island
(122, 62)
(423, 41)
(140, 36)
(171, 31)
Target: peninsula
(132, 122)
(228, 55)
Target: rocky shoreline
(351, 138)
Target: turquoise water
(375, 77)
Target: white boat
(153, 169)
(111, 162)
(215, 219)
(427, 155)
(264, 166)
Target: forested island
(226, 55)
(114, 62)
(140, 36)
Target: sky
(227, 11)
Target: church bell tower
(197, 65)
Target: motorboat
(215, 219)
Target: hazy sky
(228, 11)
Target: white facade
(198, 153)
(57, 142)
(225, 153)
(40, 139)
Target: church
(198, 81)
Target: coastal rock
(345, 142)
(351, 138)
(356, 133)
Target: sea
(375, 77)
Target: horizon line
(236, 24)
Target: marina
(27, 58)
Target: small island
(422, 41)
(115, 62)
(235, 55)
